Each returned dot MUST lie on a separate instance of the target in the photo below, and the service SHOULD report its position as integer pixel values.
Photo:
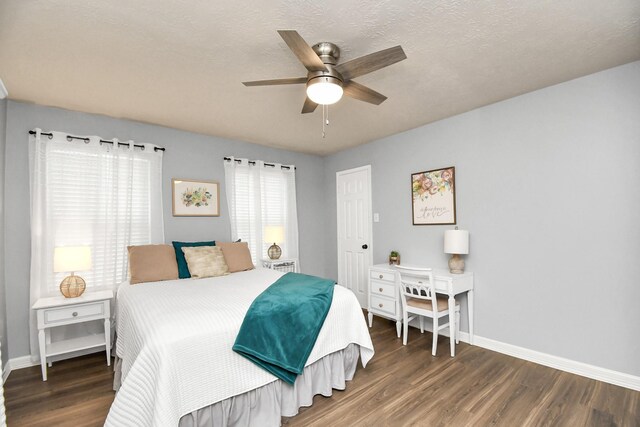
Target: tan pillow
(237, 255)
(205, 261)
(152, 263)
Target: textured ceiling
(180, 63)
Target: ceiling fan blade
(302, 50)
(291, 81)
(372, 62)
(363, 93)
(309, 106)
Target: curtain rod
(253, 162)
(102, 141)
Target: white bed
(175, 339)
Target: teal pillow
(183, 268)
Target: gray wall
(3, 301)
(547, 185)
(188, 155)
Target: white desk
(446, 283)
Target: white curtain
(88, 193)
(260, 196)
(3, 417)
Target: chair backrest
(416, 282)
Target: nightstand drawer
(383, 275)
(383, 288)
(55, 315)
(384, 305)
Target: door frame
(369, 208)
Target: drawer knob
(381, 276)
(380, 289)
(74, 314)
(380, 305)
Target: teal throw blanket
(283, 323)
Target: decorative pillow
(152, 263)
(183, 269)
(237, 256)
(205, 261)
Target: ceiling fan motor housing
(328, 52)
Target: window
(94, 195)
(260, 196)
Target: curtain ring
(69, 138)
(86, 140)
(50, 136)
(142, 148)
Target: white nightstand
(282, 264)
(61, 311)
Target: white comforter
(175, 339)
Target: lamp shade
(71, 258)
(324, 90)
(274, 234)
(456, 242)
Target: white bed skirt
(266, 405)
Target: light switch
(376, 217)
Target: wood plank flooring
(402, 386)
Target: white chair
(418, 298)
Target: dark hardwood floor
(401, 386)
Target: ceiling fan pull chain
(323, 119)
(327, 120)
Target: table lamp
(274, 234)
(456, 242)
(72, 259)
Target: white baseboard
(590, 371)
(6, 370)
(583, 369)
(16, 363)
(21, 362)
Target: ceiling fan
(326, 79)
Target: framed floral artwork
(195, 198)
(433, 196)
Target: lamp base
(456, 264)
(274, 251)
(72, 286)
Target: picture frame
(433, 197)
(195, 198)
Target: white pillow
(205, 261)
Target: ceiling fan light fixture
(324, 90)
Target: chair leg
(434, 345)
(458, 325)
(421, 325)
(405, 328)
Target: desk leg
(47, 339)
(107, 339)
(398, 328)
(470, 314)
(43, 351)
(452, 324)
(370, 317)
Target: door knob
(365, 246)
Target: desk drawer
(383, 275)
(384, 305)
(383, 288)
(74, 312)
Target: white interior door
(354, 230)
